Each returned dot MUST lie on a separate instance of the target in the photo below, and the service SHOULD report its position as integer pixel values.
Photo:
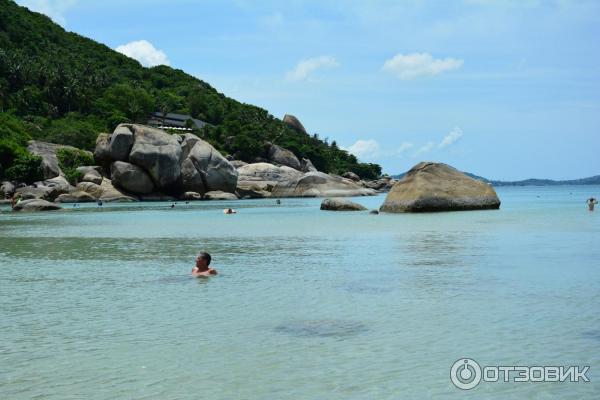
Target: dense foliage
(70, 159)
(65, 89)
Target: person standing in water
(591, 202)
(202, 265)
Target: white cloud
(144, 52)
(426, 148)
(305, 67)
(415, 65)
(364, 149)
(55, 9)
(404, 146)
(451, 138)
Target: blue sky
(504, 89)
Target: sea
(97, 302)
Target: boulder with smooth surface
(294, 123)
(105, 191)
(36, 205)
(341, 205)
(320, 184)
(47, 152)
(158, 153)
(130, 178)
(120, 143)
(76, 196)
(281, 156)
(219, 195)
(258, 180)
(351, 175)
(90, 174)
(430, 186)
(205, 169)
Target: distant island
(592, 180)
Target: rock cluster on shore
(137, 162)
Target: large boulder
(158, 153)
(7, 189)
(341, 205)
(34, 192)
(430, 186)
(204, 169)
(294, 123)
(90, 174)
(219, 195)
(351, 175)
(258, 180)
(46, 190)
(105, 191)
(120, 143)
(102, 150)
(47, 151)
(320, 184)
(307, 165)
(281, 156)
(130, 178)
(76, 196)
(36, 205)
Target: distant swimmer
(172, 205)
(229, 211)
(99, 203)
(202, 265)
(591, 202)
(278, 201)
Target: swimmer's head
(203, 259)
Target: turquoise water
(96, 303)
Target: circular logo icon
(465, 373)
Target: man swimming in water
(202, 266)
(591, 202)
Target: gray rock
(158, 153)
(131, 178)
(374, 212)
(351, 175)
(191, 196)
(34, 192)
(36, 205)
(205, 170)
(102, 150)
(47, 151)
(258, 180)
(281, 156)
(238, 163)
(76, 196)
(7, 189)
(294, 123)
(90, 174)
(341, 205)
(432, 186)
(120, 143)
(307, 165)
(105, 191)
(320, 184)
(219, 195)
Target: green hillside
(61, 87)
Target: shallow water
(96, 303)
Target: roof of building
(172, 119)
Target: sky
(503, 89)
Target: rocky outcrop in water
(36, 205)
(341, 205)
(174, 163)
(320, 184)
(131, 178)
(258, 180)
(105, 191)
(432, 186)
